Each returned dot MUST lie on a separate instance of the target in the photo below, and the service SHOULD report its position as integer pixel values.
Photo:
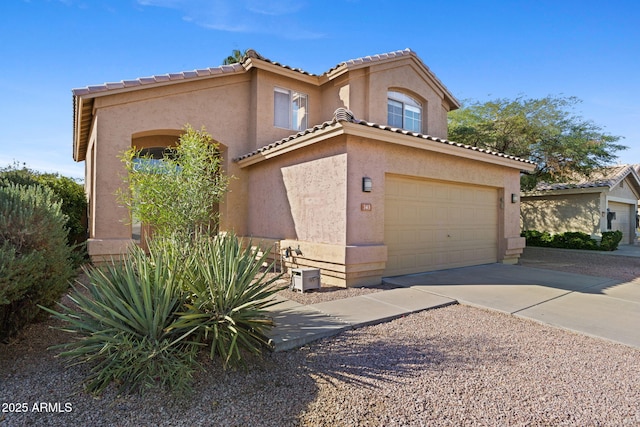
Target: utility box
(303, 279)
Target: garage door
(433, 225)
(623, 219)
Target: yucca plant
(227, 295)
(125, 323)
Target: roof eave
(82, 119)
(250, 63)
(565, 191)
(418, 141)
(331, 130)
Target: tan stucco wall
(264, 86)
(121, 118)
(300, 195)
(562, 213)
(311, 198)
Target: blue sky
(480, 50)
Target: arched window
(150, 159)
(404, 112)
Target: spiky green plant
(125, 323)
(227, 297)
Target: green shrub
(610, 240)
(125, 324)
(35, 260)
(227, 297)
(537, 238)
(180, 193)
(573, 240)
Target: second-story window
(290, 109)
(404, 112)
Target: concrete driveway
(596, 306)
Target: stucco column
(512, 244)
(110, 233)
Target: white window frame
(409, 106)
(296, 103)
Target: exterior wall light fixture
(514, 198)
(367, 184)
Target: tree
(179, 193)
(235, 57)
(544, 130)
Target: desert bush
(35, 260)
(227, 296)
(610, 240)
(66, 190)
(124, 324)
(179, 193)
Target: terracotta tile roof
(604, 177)
(163, 78)
(233, 68)
(344, 115)
(253, 54)
(372, 58)
(82, 97)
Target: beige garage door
(433, 225)
(623, 220)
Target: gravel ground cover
(452, 366)
(582, 262)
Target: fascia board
(567, 191)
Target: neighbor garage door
(433, 225)
(623, 220)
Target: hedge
(573, 240)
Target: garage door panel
(431, 225)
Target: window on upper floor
(290, 109)
(404, 112)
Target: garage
(434, 225)
(622, 221)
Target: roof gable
(603, 178)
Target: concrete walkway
(590, 305)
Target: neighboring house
(607, 200)
(379, 194)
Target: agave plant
(125, 323)
(227, 297)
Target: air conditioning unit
(303, 279)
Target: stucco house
(607, 200)
(350, 168)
